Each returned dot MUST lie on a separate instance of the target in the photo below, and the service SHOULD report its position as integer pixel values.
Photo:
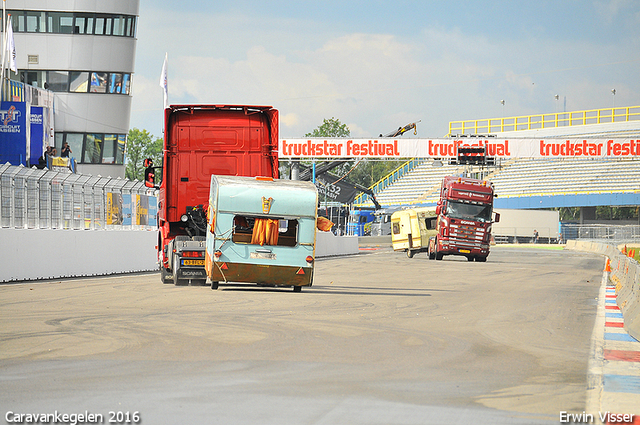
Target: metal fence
(42, 199)
(615, 233)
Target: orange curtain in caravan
(265, 232)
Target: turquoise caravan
(261, 230)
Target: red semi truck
(201, 140)
(464, 217)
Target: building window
(78, 82)
(35, 21)
(115, 83)
(60, 22)
(92, 149)
(122, 139)
(99, 82)
(108, 154)
(58, 81)
(76, 141)
(119, 23)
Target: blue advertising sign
(153, 211)
(13, 133)
(126, 209)
(37, 134)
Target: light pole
(613, 92)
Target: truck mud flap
(184, 273)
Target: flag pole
(4, 38)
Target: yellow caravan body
(412, 228)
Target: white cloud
(375, 81)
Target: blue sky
(378, 65)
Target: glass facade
(73, 23)
(93, 148)
(78, 81)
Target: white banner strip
(448, 148)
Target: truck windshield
(469, 211)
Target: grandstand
(533, 182)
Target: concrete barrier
(328, 244)
(625, 274)
(30, 254)
(27, 254)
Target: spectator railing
(31, 198)
(541, 121)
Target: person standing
(66, 150)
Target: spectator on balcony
(66, 150)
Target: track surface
(378, 339)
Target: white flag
(11, 47)
(163, 82)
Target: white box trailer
(522, 224)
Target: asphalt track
(378, 339)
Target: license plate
(465, 251)
(193, 262)
(263, 255)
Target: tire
(481, 259)
(470, 258)
(410, 253)
(214, 286)
(297, 289)
(165, 276)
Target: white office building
(84, 52)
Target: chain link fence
(43, 199)
(605, 232)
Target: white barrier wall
(27, 254)
(625, 273)
(47, 254)
(328, 244)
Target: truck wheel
(431, 251)
(481, 259)
(438, 256)
(214, 286)
(470, 258)
(297, 289)
(410, 253)
(165, 276)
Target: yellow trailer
(412, 228)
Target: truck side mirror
(438, 209)
(497, 219)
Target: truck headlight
(184, 218)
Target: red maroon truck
(464, 220)
(201, 140)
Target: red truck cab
(201, 140)
(464, 220)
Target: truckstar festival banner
(448, 147)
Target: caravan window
(265, 231)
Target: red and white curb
(613, 384)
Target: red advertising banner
(448, 147)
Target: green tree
(141, 145)
(330, 128)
